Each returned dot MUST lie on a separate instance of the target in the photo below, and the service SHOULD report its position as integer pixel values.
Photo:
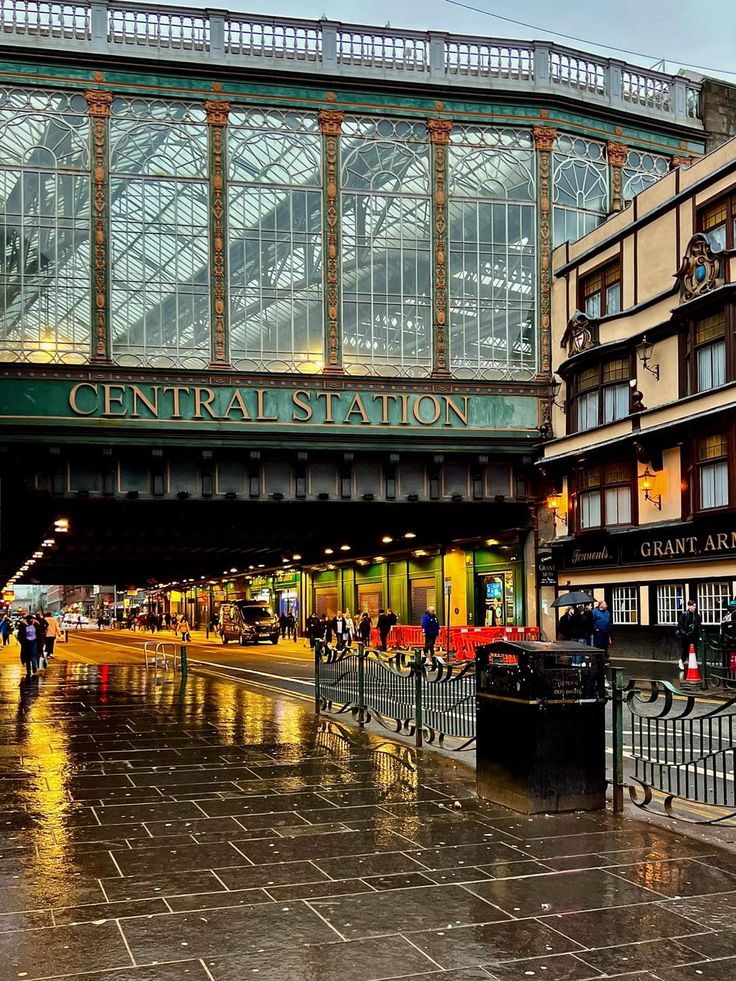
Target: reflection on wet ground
(153, 834)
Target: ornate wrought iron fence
(683, 747)
(407, 693)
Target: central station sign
(244, 407)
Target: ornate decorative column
(544, 141)
(439, 135)
(330, 121)
(217, 117)
(617, 154)
(98, 106)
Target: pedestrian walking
(340, 630)
(688, 632)
(291, 625)
(184, 634)
(283, 625)
(100, 621)
(41, 628)
(431, 628)
(351, 628)
(28, 640)
(315, 629)
(53, 630)
(565, 624)
(364, 629)
(386, 620)
(602, 628)
(6, 629)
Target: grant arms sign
(684, 543)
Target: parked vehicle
(232, 626)
(244, 616)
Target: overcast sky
(679, 31)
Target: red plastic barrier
(463, 640)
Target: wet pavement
(151, 833)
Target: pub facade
(638, 458)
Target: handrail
(119, 26)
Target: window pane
(670, 604)
(613, 299)
(618, 506)
(713, 600)
(386, 246)
(710, 328)
(590, 509)
(711, 361)
(593, 306)
(618, 473)
(615, 402)
(590, 378)
(625, 604)
(714, 215)
(588, 410)
(590, 477)
(714, 485)
(712, 447)
(616, 370)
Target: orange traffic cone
(693, 671)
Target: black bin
(541, 739)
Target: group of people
(588, 624)
(37, 635)
(287, 625)
(343, 628)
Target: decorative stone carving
(330, 121)
(544, 141)
(98, 106)
(681, 162)
(439, 135)
(701, 269)
(217, 118)
(617, 154)
(581, 334)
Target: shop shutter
(423, 595)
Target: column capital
(98, 103)
(439, 130)
(217, 112)
(330, 121)
(617, 154)
(681, 162)
(544, 137)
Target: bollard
(617, 711)
(66, 635)
(418, 669)
(317, 662)
(207, 632)
(183, 661)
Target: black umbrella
(573, 599)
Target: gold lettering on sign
(301, 401)
(329, 397)
(330, 121)
(357, 408)
(74, 405)
(383, 398)
(98, 106)
(237, 403)
(217, 118)
(544, 142)
(203, 399)
(113, 395)
(261, 411)
(460, 414)
(151, 404)
(436, 410)
(176, 393)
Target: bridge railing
(322, 46)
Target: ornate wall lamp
(646, 482)
(554, 391)
(645, 349)
(553, 503)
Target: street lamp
(553, 503)
(646, 482)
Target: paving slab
(210, 833)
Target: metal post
(361, 685)
(66, 635)
(617, 684)
(184, 662)
(317, 661)
(418, 676)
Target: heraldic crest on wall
(701, 269)
(580, 335)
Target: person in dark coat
(565, 624)
(364, 629)
(602, 627)
(688, 628)
(28, 640)
(431, 628)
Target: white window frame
(670, 603)
(625, 605)
(713, 598)
(713, 479)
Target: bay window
(718, 221)
(604, 496)
(601, 394)
(601, 292)
(712, 465)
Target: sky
(678, 31)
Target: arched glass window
(275, 235)
(386, 247)
(44, 224)
(580, 187)
(492, 252)
(641, 170)
(159, 234)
